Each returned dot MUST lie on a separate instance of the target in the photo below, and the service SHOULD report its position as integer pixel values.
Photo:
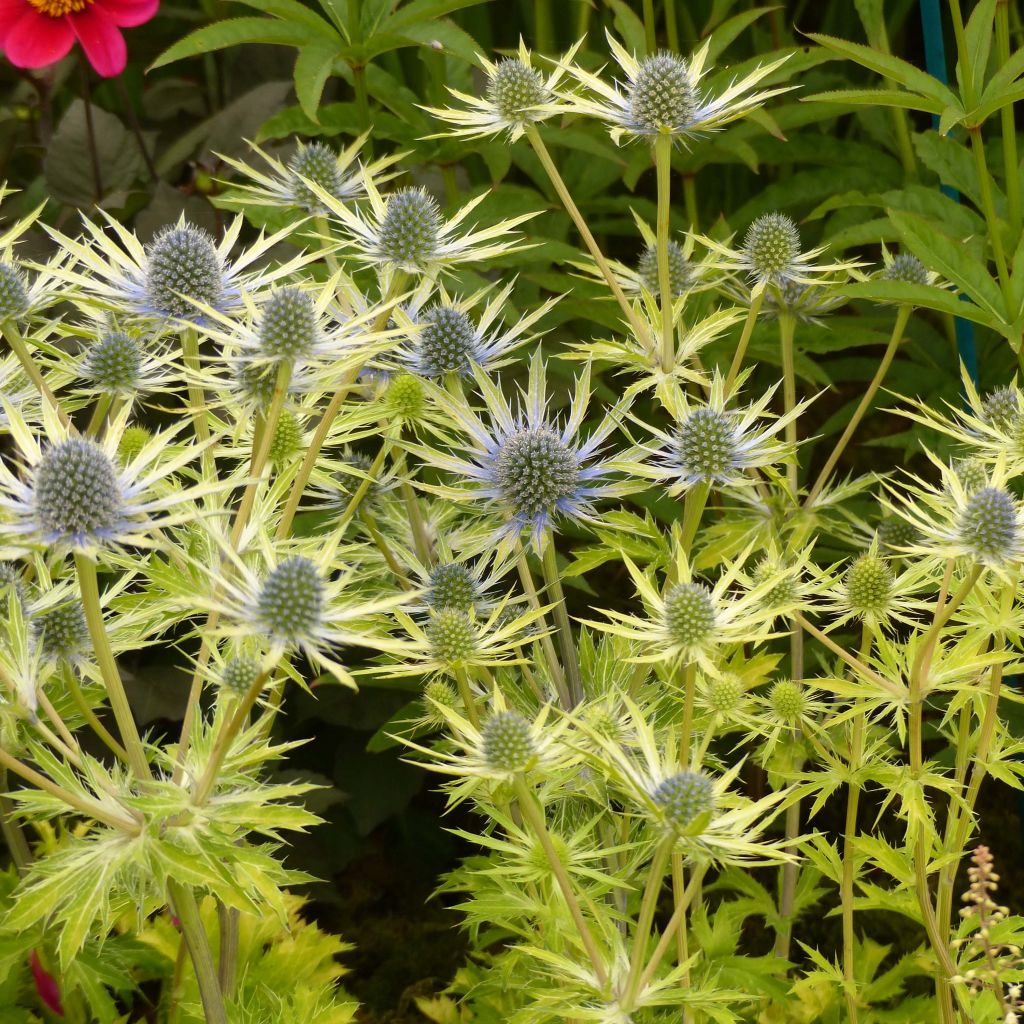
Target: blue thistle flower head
(14, 300)
(114, 364)
(684, 797)
(771, 246)
(317, 163)
(290, 605)
(906, 268)
(239, 673)
(1000, 408)
(508, 743)
(988, 525)
(62, 633)
(410, 229)
(452, 585)
(514, 88)
(183, 267)
(453, 636)
(680, 273)
(664, 98)
(689, 614)
(448, 342)
(288, 328)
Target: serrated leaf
(236, 32)
(313, 67)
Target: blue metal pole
(935, 62)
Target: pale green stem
(642, 333)
(196, 395)
(14, 835)
(323, 228)
(787, 329)
(34, 374)
(1010, 159)
(554, 667)
(462, 681)
(686, 732)
(650, 28)
(570, 662)
(690, 200)
(988, 207)
(90, 716)
(672, 32)
(902, 316)
(790, 875)
(89, 587)
(663, 165)
(534, 817)
(694, 502)
(227, 919)
(99, 416)
(186, 909)
(741, 348)
(645, 918)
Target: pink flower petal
(10, 12)
(129, 13)
(102, 41)
(46, 985)
(35, 40)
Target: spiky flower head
(689, 613)
(239, 673)
(14, 299)
(409, 230)
(405, 397)
(447, 341)
(452, 586)
(664, 99)
(772, 246)
(894, 533)
(536, 470)
(508, 743)
(133, 440)
(288, 327)
(114, 364)
(439, 692)
(787, 701)
(683, 798)
(318, 163)
(706, 443)
(869, 585)
(784, 591)
(514, 87)
(453, 636)
(971, 473)
(1000, 408)
(62, 633)
(680, 273)
(726, 694)
(290, 605)
(286, 443)
(183, 268)
(255, 383)
(10, 580)
(906, 268)
(77, 492)
(988, 525)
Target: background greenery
(151, 145)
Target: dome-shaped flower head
(516, 95)
(664, 94)
(405, 230)
(450, 335)
(985, 524)
(298, 602)
(183, 274)
(123, 364)
(313, 168)
(524, 463)
(715, 444)
(690, 620)
(37, 33)
(75, 493)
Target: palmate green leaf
(925, 296)
(293, 11)
(237, 32)
(954, 165)
(978, 36)
(421, 11)
(732, 28)
(313, 67)
(893, 68)
(876, 98)
(629, 26)
(946, 255)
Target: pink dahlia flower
(35, 33)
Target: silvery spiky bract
(508, 743)
(869, 584)
(447, 342)
(239, 673)
(514, 88)
(787, 700)
(77, 493)
(664, 98)
(408, 235)
(453, 635)
(14, 299)
(183, 268)
(988, 525)
(906, 268)
(288, 325)
(114, 363)
(318, 163)
(62, 633)
(684, 797)
(291, 601)
(680, 273)
(689, 613)
(452, 585)
(536, 472)
(771, 247)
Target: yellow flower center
(58, 8)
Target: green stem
(690, 194)
(554, 666)
(89, 715)
(650, 28)
(462, 681)
(648, 905)
(34, 374)
(227, 919)
(99, 416)
(790, 876)
(89, 587)
(196, 395)
(741, 348)
(570, 661)
(14, 835)
(1006, 115)
(642, 333)
(663, 166)
(988, 206)
(186, 909)
(694, 502)
(534, 816)
(787, 330)
(323, 228)
(543, 27)
(902, 316)
(672, 33)
(686, 732)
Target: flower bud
(689, 614)
(772, 245)
(514, 88)
(508, 743)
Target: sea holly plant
(713, 693)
